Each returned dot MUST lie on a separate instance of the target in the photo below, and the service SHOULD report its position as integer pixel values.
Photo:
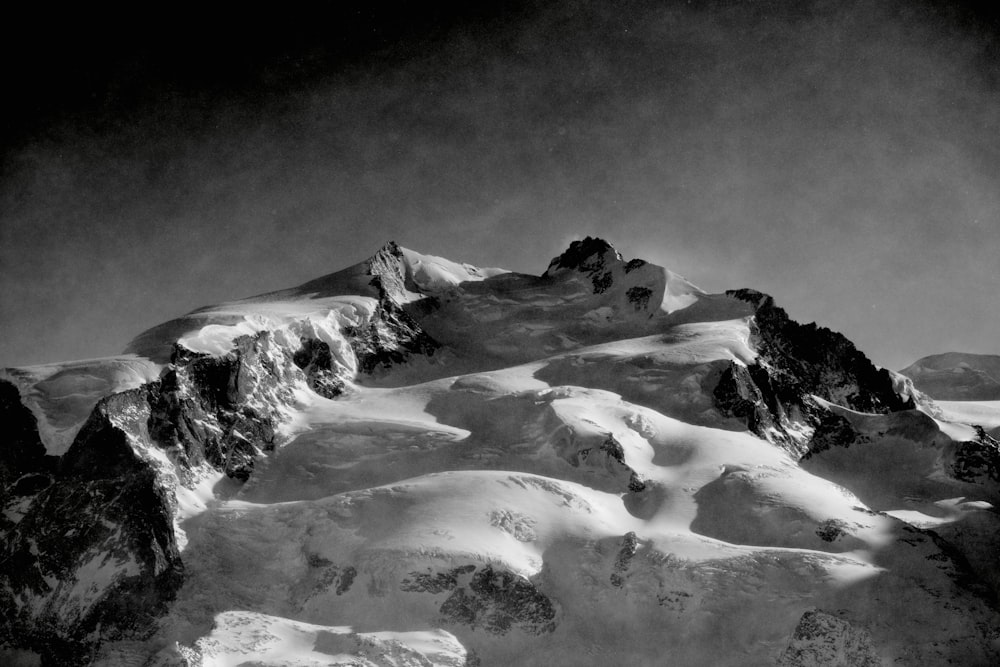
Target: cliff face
(94, 554)
(24, 452)
(797, 362)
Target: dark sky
(841, 156)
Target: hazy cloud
(842, 156)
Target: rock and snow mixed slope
(418, 462)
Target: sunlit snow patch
(437, 273)
(242, 636)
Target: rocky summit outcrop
(592, 257)
(625, 289)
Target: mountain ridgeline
(560, 381)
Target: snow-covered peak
(957, 376)
(400, 273)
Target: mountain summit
(415, 461)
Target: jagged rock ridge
(797, 362)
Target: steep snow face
(957, 376)
(414, 461)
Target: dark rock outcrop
(832, 430)
(22, 451)
(977, 461)
(821, 639)
(803, 359)
(630, 546)
(738, 394)
(832, 529)
(489, 598)
(498, 601)
(638, 296)
(585, 255)
(391, 337)
(592, 257)
(25, 468)
(95, 557)
(795, 363)
(435, 582)
(222, 409)
(316, 362)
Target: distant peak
(580, 253)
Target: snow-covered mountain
(957, 376)
(415, 461)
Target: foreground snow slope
(417, 462)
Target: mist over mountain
(418, 461)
